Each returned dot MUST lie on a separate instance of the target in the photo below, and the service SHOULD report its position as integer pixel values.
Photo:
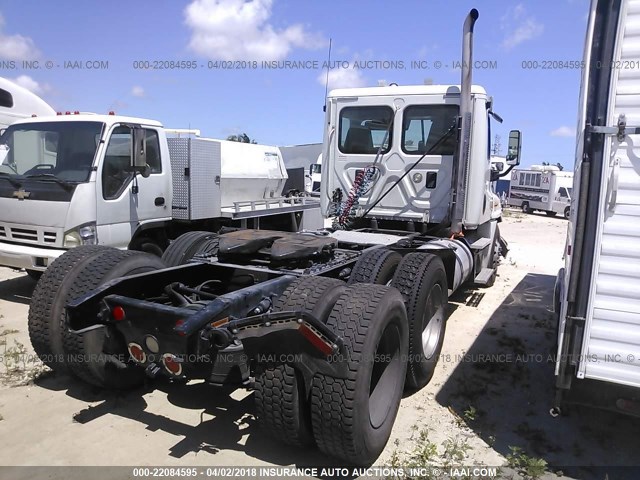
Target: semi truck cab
(397, 145)
(78, 170)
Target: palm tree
(242, 138)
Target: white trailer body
(598, 291)
(17, 102)
(68, 180)
(544, 188)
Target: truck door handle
(159, 201)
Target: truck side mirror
(139, 152)
(513, 151)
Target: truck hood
(34, 212)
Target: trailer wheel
(375, 266)
(183, 248)
(47, 306)
(422, 280)
(567, 212)
(525, 207)
(88, 355)
(282, 407)
(352, 417)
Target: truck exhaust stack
(462, 160)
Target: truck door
(120, 210)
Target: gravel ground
(490, 395)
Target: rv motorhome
(541, 187)
(597, 293)
(17, 102)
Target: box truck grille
(27, 235)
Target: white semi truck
(17, 102)
(597, 295)
(67, 181)
(329, 327)
(541, 187)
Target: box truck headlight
(82, 235)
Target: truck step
(480, 244)
(486, 277)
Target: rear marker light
(118, 314)
(137, 353)
(178, 324)
(315, 340)
(172, 364)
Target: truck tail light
(172, 364)
(137, 353)
(118, 314)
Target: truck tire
(375, 266)
(567, 212)
(183, 248)
(422, 281)
(85, 354)
(47, 306)
(525, 207)
(496, 250)
(147, 245)
(282, 406)
(352, 417)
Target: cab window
(363, 130)
(424, 127)
(116, 171)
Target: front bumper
(31, 258)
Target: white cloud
(519, 27)
(138, 91)
(25, 81)
(16, 47)
(240, 30)
(563, 131)
(342, 78)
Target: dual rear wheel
(392, 340)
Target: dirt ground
(488, 403)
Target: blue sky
(284, 106)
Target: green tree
(242, 138)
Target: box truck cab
(67, 181)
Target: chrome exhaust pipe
(462, 160)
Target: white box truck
(598, 291)
(541, 187)
(68, 180)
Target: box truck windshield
(65, 150)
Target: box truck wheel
(567, 212)
(422, 280)
(352, 417)
(46, 310)
(100, 357)
(34, 274)
(375, 266)
(525, 207)
(282, 406)
(183, 248)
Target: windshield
(63, 149)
